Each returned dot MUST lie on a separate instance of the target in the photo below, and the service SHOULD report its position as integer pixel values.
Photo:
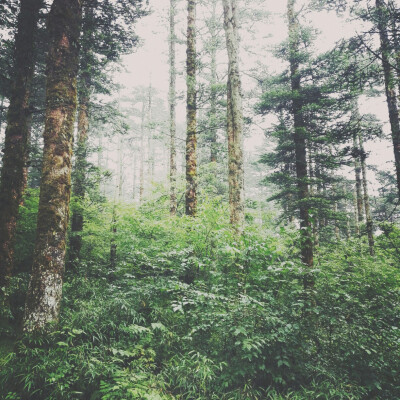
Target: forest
(199, 199)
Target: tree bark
(45, 286)
(234, 118)
(356, 218)
(357, 172)
(390, 86)
(370, 227)
(300, 142)
(172, 108)
(13, 173)
(213, 92)
(191, 110)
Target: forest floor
(193, 312)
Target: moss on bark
(45, 287)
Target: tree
(299, 137)
(234, 118)
(172, 107)
(45, 286)
(13, 173)
(390, 83)
(191, 111)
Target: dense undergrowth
(192, 313)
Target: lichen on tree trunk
(45, 286)
(172, 108)
(191, 109)
(234, 118)
(13, 173)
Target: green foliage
(191, 312)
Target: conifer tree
(191, 112)
(299, 137)
(45, 286)
(13, 172)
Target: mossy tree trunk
(45, 286)
(300, 136)
(390, 85)
(191, 111)
(234, 118)
(172, 108)
(13, 173)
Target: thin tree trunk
(390, 83)
(357, 165)
(141, 174)
(213, 92)
(13, 173)
(356, 217)
(396, 43)
(134, 175)
(172, 108)
(1, 112)
(150, 148)
(45, 286)
(234, 118)
(337, 229)
(300, 143)
(79, 173)
(312, 173)
(117, 199)
(370, 227)
(191, 109)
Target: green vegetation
(192, 313)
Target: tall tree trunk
(150, 147)
(313, 174)
(335, 211)
(134, 175)
(234, 118)
(191, 109)
(396, 42)
(370, 227)
(300, 142)
(355, 124)
(13, 172)
(117, 199)
(141, 173)
(1, 112)
(390, 86)
(79, 172)
(213, 92)
(172, 108)
(356, 215)
(45, 286)
(357, 172)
